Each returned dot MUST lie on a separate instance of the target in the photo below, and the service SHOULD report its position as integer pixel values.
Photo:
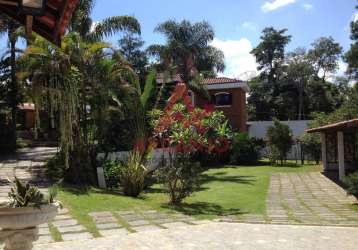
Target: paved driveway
(308, 198)
(225, 236)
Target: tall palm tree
(10, 28)
(90, 30)
(188, 48)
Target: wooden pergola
(339, 146)
(51, 25)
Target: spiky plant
(26, 195)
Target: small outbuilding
(339, 146)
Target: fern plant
(26, 195)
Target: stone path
(27, 165)
(125, 222)
(308, 198)
(225, 236)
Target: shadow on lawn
(224, 177)
(203, 208)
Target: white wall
(259, 129)
(157, 157)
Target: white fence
(259, 129)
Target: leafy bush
(311, 145)
(180, 177)
(245, 150)
(132, 175)
(112, 172)
(25, 195)
(279, 141)
(187, 132)
(352, 184)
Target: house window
(222, 99)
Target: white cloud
(249, 26)
(307, 6)
(275, 4)
(239, 62)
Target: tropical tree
(89, 30)
(10, 28)
(351, 57)
(324, 55)
(299, 72)
(270, 53)
(80, 78)
(188, 49)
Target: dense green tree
(351, 56)
(130, 46)
(294, 85)
(324, 55)
(299, 72)
(188, 49)
(270, 53)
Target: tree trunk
(14, 88)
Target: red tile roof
(220, 80)
(206, 81)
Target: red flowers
(188, 129)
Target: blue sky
(238, 23)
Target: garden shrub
(185, 132)
(132, 175)
(279, 141)
(352, 184)
(112, 171)
(179, 177)
(245, 150)
(311, 145)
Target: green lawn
(224, 190)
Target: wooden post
(29, 23)
(341, 160)
(324, 151)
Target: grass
(227, 190)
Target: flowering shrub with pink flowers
(184, 131)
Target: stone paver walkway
(308, 198)
(225, 236)
(27, 165)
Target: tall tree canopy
(188, 48)
(270, 53)
(324, 55)
(351, 57)
(294, 85)
(82, 23)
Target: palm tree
(93, 31)
(77, 76)
(9, 27)
(188, 48)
